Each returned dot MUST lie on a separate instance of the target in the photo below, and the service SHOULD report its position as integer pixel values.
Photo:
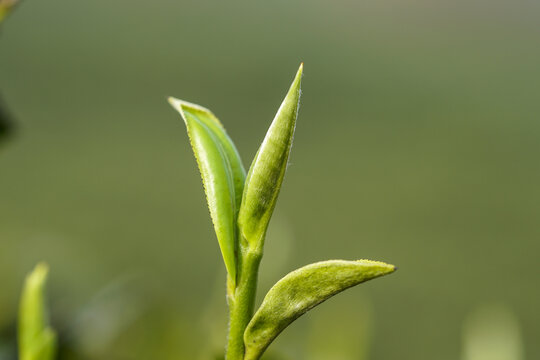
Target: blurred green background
(417, 144)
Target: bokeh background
(417, 144)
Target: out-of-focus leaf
(37, 341)
(5, 122)
(267, 170)
(222, 173)
(492, 332)
(5, 7)
(107, 316)
(300, 291)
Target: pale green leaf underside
(37, 341)
(267, 170)
(222, 173)
(300, 291)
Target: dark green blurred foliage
(5, 122)
(8, 342)
(423, 115)
(6, 6)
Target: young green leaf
(37, 341)
(222, 173)
(268, 169)
(300, 291)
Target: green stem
(242, 302)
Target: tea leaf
(268, 169)
(300, 291)
(222, 173)
(37, 341)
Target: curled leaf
(268, 169)
(222, 173)
(300, 291)
(37, 341)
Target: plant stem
(242, 301)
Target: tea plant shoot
(241, 207)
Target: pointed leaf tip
(222, 173)
(267, 170)
(302, 290)
(37, 341)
